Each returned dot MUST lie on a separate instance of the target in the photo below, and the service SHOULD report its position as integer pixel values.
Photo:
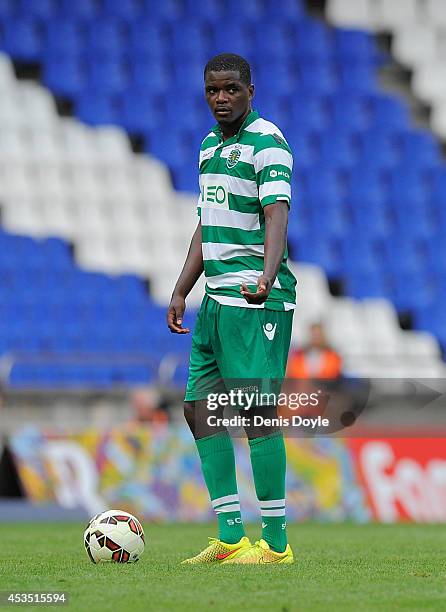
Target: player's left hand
(261, 295)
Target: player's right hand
(175, 314)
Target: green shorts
(234, 347)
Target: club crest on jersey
(233, 158)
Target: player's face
(228, 97)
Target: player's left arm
(276, 223)
(273, 163)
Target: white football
(114, 535)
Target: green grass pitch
(339, 567)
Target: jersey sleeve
(273, 164)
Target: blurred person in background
(147, 407)
(317, 359)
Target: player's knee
(189, 414)
(266, 426)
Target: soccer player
(243, 328)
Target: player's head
(228, 87)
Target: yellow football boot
(261, 554)
(218, 551)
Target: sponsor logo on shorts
(270, 330)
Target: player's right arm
(191, 272)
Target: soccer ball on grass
(114, 535)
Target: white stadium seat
(429, 81)
(435, 12)
(438, 118)
(391, 14)
(351, 13)
(8, 79)
(415, 44)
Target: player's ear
(251, 91)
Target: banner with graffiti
(155, 473)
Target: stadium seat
(351, 13)
(139, 110)
(64, 76)
(379, 148)
(354, 46)
(435, 12)
(388, 112)
(22, 39)
(130, 10)
(42, 9)
(107, 75)
(397, 13)
(105, 38)
(97, 108)
(415, 45)
(349, 111)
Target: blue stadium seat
(308, 111)
(304, 148)
(274, 42)
(389, 112)
(354, 45)
(411, 291)
(317, 77)
(365, 185)
(438, 183)
(337, 149)
(349, 111)
(313, 41)
(147, 41)
(379, 148)
(413, 220)
(185, 177)
(248, 9)
(330, 215)
(22, 39)
(107, 75)
(189, 39)
(238, 38)
(367, 284)
(370, 218)
(64, 76)
(357, 77)
(138, 110)
(322, 252)
(419, 149)
(358, 253)
(435, 253)
(85, 9)
(124, 9)
(42, 9)
(153, 77)
(106, 37)
(406, 186)
(192, 115)
(211, 11)
(322, 182)
(172, 146)
(8, 9)
(168, 10)
(403, 254)
(290, 10)
(96, 108)
(63, 38)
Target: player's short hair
(230, 61)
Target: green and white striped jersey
(238, 178)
